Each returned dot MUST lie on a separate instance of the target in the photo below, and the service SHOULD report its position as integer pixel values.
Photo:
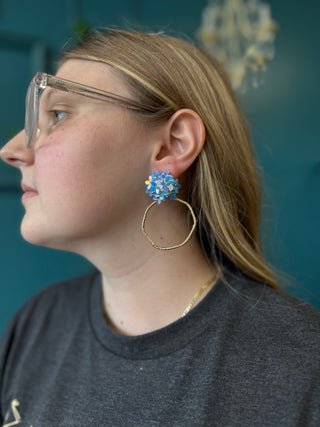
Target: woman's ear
(182, 140)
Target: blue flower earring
(161, 186)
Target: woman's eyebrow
(54, 95)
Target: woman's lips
(28, 192)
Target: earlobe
(183, 139)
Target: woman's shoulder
(274, 313)
(69, 290)
(58, 302)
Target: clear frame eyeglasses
(42, 80)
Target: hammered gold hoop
(169, 247)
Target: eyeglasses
(42, 80)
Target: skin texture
(88, 170)
(79, 168)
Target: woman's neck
(150, 295)
(145, 289)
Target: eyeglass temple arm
(98, 95)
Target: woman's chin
(36, 236)
(45, 238)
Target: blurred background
(283, 113)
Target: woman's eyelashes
(58, 116)
(54, 117)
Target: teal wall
(284, 117)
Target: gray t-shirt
(247, 355)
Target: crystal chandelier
(240, 34)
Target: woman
(177, 327)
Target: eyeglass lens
(39, 111)
(30, 114)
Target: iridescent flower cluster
(162, 186)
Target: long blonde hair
(168, 74)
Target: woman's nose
(15, 152)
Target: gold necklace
(196, 296)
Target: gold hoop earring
(163, 187)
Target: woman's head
(90, 159)
(86, 165)
(222, 185)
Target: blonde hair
(168, 74)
